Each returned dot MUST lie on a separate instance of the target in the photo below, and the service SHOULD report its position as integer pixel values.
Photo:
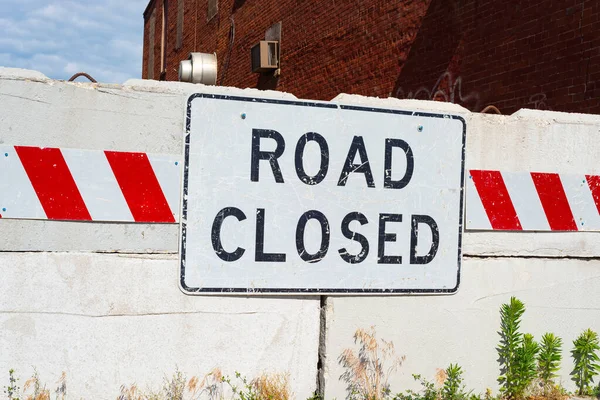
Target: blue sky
(60, 37)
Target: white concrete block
(186, 89)
(22, 74)
(402, 104)
(434, 331)
(108, 320)
(19, 235)
(532, 244)
(540, 142)
(85, 116)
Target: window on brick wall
(213, 7)
(179, 36)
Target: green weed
(454, 388)
(586, 361)
(549, 357)
(12, 390)
(517, 352)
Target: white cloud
(61, 37)
(52, 11)
(71, 68)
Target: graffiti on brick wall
(446, 88)
(538, 102)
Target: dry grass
(173, 389)
(176, 387)
(211, 385)
(368, 370)
(130, 393)
(33, 389)
(272, 387)
(61, 390)
(440, 377)
(540, 390)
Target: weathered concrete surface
(39, 235)
(561, 296)
(112, 319)
(535, 141)
(556, 274)
(36, 235)
(108, 320)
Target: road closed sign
(302, 197)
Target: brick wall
(514, 54)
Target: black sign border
(337, 291)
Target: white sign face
(311, 197)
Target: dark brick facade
(513, 54)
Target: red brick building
(511, 54)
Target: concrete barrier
(100, 301)
(556, 274)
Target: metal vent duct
(199, 68)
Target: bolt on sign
(307, 197)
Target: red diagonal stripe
(594, 184)
(53, 183)
(554, 201)
(496, 200)
(139, 185)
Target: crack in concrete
(114, 93)
(533, 256)
(77, 109)
(24, 98)
(536, 288)
(28, 79)
(322, 349)
(149, 253)
(124, 253)
(147, 314)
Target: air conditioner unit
(265, 56)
